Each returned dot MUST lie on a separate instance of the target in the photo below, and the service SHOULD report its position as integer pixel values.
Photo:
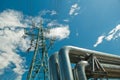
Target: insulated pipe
(65, 65)
(65, 54)
(53, 67)
(103, 57)
(81, 70)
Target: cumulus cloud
(74, 9)
(11, 33)
(11, 18)
(58, 32)
(112, 35)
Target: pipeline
(89, 64)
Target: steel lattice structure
(39, 65)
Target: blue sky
(93, 24)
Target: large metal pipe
(60, 63)
(75, 53)
(54, 67)
(65, 65)
(71, 54)
(80, 67)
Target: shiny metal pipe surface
(65, 65)
(54, 67)
(76, 52)
(81, 70)
(71, 54)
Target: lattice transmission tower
(39, 65)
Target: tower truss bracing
(39, 65)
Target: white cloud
(51, 12)
(112, 35)
(53, 23)
(11, 18)
(58, 32)
(74, 9)
(37, 19)
(99, 41)
(11, 33)
(66, 20)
